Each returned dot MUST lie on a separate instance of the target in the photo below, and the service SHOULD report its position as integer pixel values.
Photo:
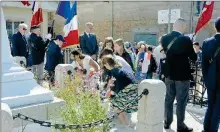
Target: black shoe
(186, 129)
(166, 126)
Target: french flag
(37, 17)
(71, 28)
(205, 16)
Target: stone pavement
(192, 120)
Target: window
(12, 27)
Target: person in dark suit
(88, 42)
(211, 74)
(38, 48)
(19, 42)
(162, 68)
(153, 64)
(177, 74)
(54, 56)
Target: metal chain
(77, 126)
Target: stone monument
(19, 89)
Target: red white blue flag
(71, 28)
(205, 16)
(37, 17)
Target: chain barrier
(77, 126)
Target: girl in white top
(84, 62)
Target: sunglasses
(24, 29)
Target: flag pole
(54, 22)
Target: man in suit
(88, 42)
(177, 74)
(38, 48)
(211, 74)
(19, 42)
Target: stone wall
(124, 19)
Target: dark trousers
(212, 116)
(178, 90)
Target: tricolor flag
(37, 17)
(71, 28)
(205, 16)
(63, 9)
(25, 3)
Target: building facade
(132, 21)
(16, 13)
(135, 21)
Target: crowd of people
(123, 65)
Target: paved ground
(192, 120)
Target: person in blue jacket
(211, 74)
(54, 56)
(88, 42)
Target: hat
(217, 23)
(60, 37)
(35, 27)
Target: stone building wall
(125, 19)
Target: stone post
(61, 72)
(151, 107)
(7, 119)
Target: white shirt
(125, 66)
(145, 64)
(85, 64)
(157, 54)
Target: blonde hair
(109, 59)
(120, 42)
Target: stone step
(36, 95)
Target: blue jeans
(140, 76)
(149, 76)
(212, 116)
(178, 90)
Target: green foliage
(81, 107)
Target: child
(152, 67)
(124, 88)
(162, 66)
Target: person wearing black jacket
(162, 66)
(153, 64)
(211, 75)
(38, 48)
(19, 42)
(121, 51)
(177, 73)
(54, 56)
